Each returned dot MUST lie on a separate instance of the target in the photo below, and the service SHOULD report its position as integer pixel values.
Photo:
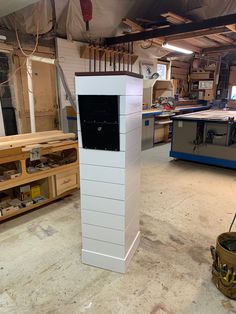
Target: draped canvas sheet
(107, 15)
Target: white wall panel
(101, 189)
(102, 158)
(103, 247)
(104, 174)
(130, 122)
(103, 234)
(102, 204)
(103, 219)
(130, 104)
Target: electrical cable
(37, 37)
(21, 49)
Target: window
(162, 71)
(233, 93)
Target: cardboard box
(208, 94)
(10, 174)
(24, 193)
(8, 210)
(35, 191)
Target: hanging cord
(37, 35)
(232, 223)
(21, 49)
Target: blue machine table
(207, 137)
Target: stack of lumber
(32, 140)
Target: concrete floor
(184, 207)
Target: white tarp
(107, 14)
(9, 6)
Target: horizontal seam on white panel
(102, 182)
(85, 223)
(115, 199)
(93, 180)
(96, 211)
(108, 198)
(102, 166)
(103, 241)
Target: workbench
(156, 124)
(36, 169)
(207, 137)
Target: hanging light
(177, 49)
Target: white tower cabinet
(109, 131)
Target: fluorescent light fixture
(177, 49)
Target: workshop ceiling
(64, 18)
(107, 14)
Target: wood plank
(174, 18)
(28, 148)
(28, 135)
(36, 140)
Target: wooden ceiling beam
(219, 49)
(200, 33)
(220, 39)
(177, 19)
(173, 30)
(232, 27)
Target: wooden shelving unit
(56, 170)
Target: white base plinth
(110, 262)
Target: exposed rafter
(200, 33)
(136, 27)
(232, 27)
(219, 49)
(174, 30)
(158, 41)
